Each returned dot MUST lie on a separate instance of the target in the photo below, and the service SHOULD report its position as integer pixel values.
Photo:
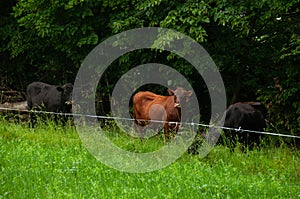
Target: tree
(252, 43)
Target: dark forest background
(255, 44)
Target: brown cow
(149, 106)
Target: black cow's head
(260, 107)
(180, 95)
(66, 96)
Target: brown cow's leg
(166, 131)
(174, 128)
(140, 132)
(177, 127)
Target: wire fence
(148, 121)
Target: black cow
(247, 116)
(42, 96)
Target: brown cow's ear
(60, 89)
(171, 92)
(189, 93)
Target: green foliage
(189, 18)
(252, 42)
(283, 96)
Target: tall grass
(51, 162)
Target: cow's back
(142, 102)
(43, 96)
(33, 94)
(244, 115)
(147, 105)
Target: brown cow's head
(180, 94)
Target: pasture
(51, 162)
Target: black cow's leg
(32, 120)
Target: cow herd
(150, 106)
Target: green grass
(51, 162)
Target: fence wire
(153, 121)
